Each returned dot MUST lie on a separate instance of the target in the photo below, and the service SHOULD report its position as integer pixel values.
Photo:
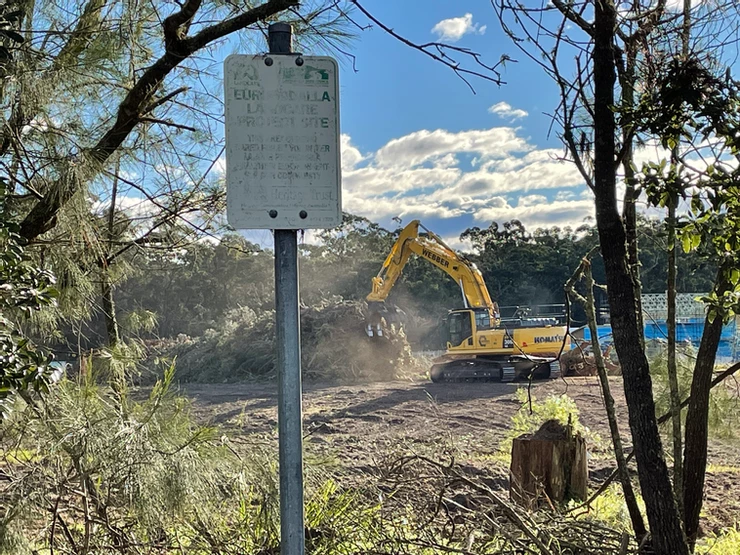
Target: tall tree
(665, 524)
(600, 36)
(690, 104)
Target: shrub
(87, 477)
(724, 417)
(531, 416)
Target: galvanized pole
(290, 414)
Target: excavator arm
(434, 250)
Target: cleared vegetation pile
(333, 341)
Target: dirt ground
(354, 429)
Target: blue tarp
(688, 330)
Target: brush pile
(581, 361)
(333, 341)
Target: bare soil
(354, 430)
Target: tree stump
(548, 466)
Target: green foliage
(724, 419)
(610, 509)
(529, 418)
(333, 346)
(690, 105)
(24, 289)
(152, 479)
(191, 289)
(529, 267)
(204, 286)
(726, 542)
(533, 413)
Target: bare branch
(574, 17)
(441, 55)
(168, 123)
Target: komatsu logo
(435, 257)
(549, 339)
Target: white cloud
(454, 242)
(532, 200)
(540, 213)
(565, 195)
(626, 9)
(678, 4)
(424, 175)
(426, 146)
(220, 166)
(504, 110)
(455, 28)
(351, 155)
(140, 210)
(41, 124)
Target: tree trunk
(629, 212)
(671, 298)
(671, 362)
(109, 311)
(697, 416)
(548, 467)
(638, 525)
(662, 511)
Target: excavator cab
(459, 327)
(463, 324)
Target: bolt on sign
(283, 168)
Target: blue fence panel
(687, 331)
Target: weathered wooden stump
(548, 466)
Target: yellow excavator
(480, 344)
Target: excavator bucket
(380, 315)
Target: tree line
(195, 287)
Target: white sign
(283, 169)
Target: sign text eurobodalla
(283, 168)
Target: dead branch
(584, 273)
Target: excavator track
(472, 370)
(485, 370)
(554, 369)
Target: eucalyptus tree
(705, 118)
(601, 55)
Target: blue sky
(411, 91)
(418, 143)
(426, 146)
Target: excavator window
(460, 327)
(482, 320)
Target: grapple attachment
(380, 315)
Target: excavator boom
(433, 249)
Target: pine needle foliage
(724, 416)
(83, 476)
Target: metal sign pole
(287, 316)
